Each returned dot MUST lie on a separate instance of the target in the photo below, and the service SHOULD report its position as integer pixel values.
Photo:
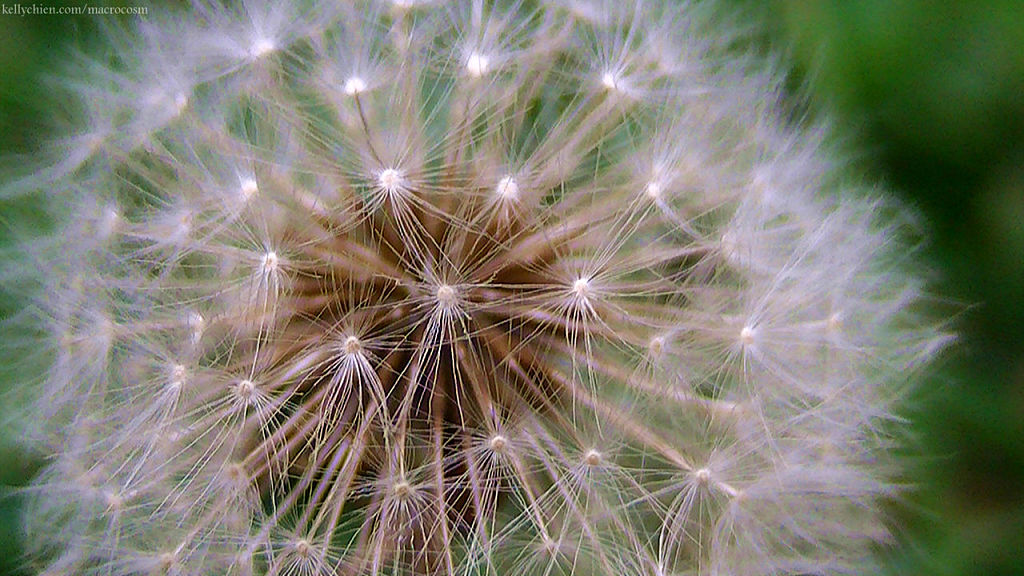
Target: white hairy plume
(465, 287)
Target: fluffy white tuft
(467, 287)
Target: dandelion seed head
(408, 321)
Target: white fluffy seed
(477, 64)
(498, 443)
(352, 345)
(507, 189)
(391, 180)
(354, 85)
(261, 47)
(248, 188)
(446, 295)
(610, 81)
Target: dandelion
(461, 288)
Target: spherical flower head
(545, 306)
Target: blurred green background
(930, 93)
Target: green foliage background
(933, 93)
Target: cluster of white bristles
(477, 288)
